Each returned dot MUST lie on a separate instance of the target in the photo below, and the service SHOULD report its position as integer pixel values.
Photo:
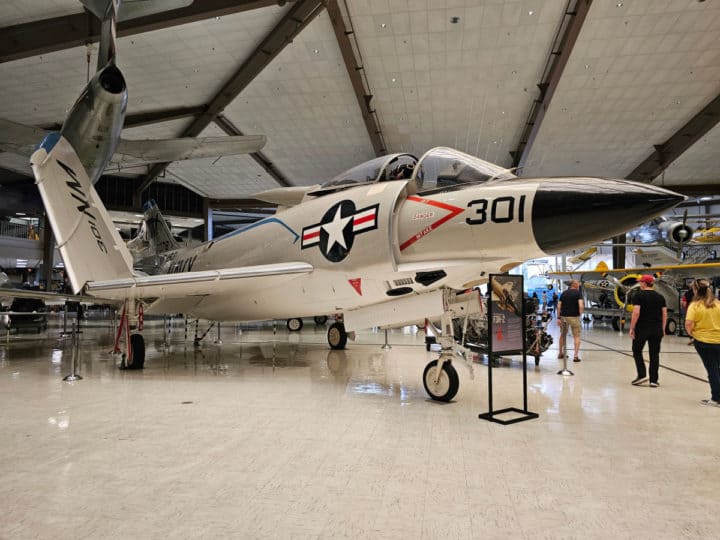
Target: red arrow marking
(454, 211)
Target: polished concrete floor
(271, 435)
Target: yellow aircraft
(623, 282)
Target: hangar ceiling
(460, 73)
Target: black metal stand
(492, 415)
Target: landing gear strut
(134, 355)
(440, 377)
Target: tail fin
(88, 241)
(155, 235)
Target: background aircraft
(606, 288)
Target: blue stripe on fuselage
(258, 224)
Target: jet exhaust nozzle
(111, 80)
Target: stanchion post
(386, 346)
(565, 370)
(74, 353)
(218, 341)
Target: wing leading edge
(199, 283)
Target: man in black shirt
(647, 324)
(570, 309)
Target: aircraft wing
(185, 288)
(676, 270)
(47, 296)
(23, 140)
(130, 153)
(19, 138)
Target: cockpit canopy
(440, 168)
(379, 169)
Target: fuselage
(379, 241)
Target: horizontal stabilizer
(130, 153)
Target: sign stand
(506, 298)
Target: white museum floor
(274, 436)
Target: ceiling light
(530, 12)
(383, 25)
(705, 198)
(217, 18)
(393, 79)
(316, 51)
(619, 4)
(20, 214)
(587, 66)
(514, 72)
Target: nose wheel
(441, 382)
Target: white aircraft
(385, 244)
(94, 124)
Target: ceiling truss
(59, 33)
(292, 23)
(565, 40)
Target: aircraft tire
(336, 335)
(320, 319)
(615, 323)
(670, 327)
(295, 324)
(448, 384)
(137, 342)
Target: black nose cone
(573, 212)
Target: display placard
(506, 321)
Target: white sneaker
(710, 402)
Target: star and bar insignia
(336, 232)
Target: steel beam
(228, 127)
(58, 33)
(551, 77)
(354, 70)
(696, 128)
(292, 23)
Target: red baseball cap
(646, 278)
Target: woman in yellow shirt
(702, 323)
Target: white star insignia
(335, 230)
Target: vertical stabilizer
(90, 245)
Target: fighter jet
(96, 119)
(383, 244)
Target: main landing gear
(134, 355)
(337, 336)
